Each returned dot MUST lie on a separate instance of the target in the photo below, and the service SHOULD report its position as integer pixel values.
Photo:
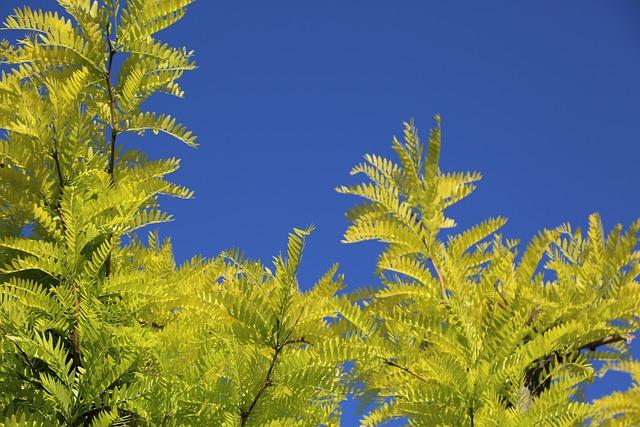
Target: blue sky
(543, 98)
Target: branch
(112, 104)
(114, 130)
(593, 345)
(61, 181)
(56, 159)
(533, 316)
(407, 370)
(267, 380)
(75, 338)
(506, 303)
(164, 420)
(534, 372)
(62, 220)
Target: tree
(99, 328)
(469, 332)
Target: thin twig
(440, 279)
(114, 130)
(56, 159)
(112, 104)
(75, 334)
(443, 289)
(164, 420)
(506, 303)
(62, 220)
(267, 380)
(407, 370)
(302, 340)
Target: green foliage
(470, 333)
(74, 299)
(621, 409)
(99, 328)
(252, 342)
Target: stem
(113, 128)
(440, 279)
(267, 380)
(443, 289)
(164, 420)
(112, 105)
(57, 160)
(506, 303)
(75, 339)
(407, 370)
(533, 316)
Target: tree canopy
(100, 326)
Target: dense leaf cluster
(99, 328)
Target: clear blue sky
(542, 97)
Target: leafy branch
(35, 372)
(533, 373)
(75, 338)
(267, 380)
